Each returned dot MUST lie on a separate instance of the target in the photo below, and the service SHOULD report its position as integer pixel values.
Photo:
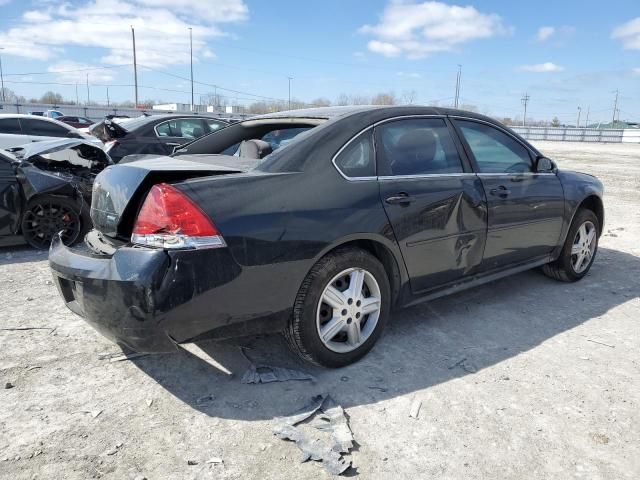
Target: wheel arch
(594, 203)
(382, 249)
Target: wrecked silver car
(45, 188)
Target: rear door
(525, 207)
(11, 133)
(433, 200)
(178, 131)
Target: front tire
(579, 250)
(341, 308)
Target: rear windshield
(131, 124)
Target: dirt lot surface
(522, 378)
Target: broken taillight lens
(169, 219)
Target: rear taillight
(169, 219)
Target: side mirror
(544, 165)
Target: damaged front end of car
(52, 192)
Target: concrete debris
(8, 385)
(313, 449)
(268, 374)
(192, 462)
(415, 408)
(215, 460)
(149, 402)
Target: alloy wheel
(584, 246)
(348, 310)
(45, 219)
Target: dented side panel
(442, 232)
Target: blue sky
(563, 54)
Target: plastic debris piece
(96, 413)
(268, 374)
(312, 449)
(192, 462)
(415, 408)
(215, 460)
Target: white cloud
(419, 29)
(629, 34)
(69, 71)
(544, 33)
(409, 75)
(636, 71)
(541, 68)
(162, 35)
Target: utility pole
(586, 123)
(579, 112)
(107, 96)
(2, 78)
(457, 96)
(191, 53)
(77, 98)
(290, 78)
(88, 99)
(135, 66)
(525, 100)
(615, 107)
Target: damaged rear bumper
(151, 300)
(114, 294)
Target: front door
(525, 207)
(435, 205)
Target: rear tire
(579, 250)
(46, 215)
(341, 308)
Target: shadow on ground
(21, 254)
(421, 347)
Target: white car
(18, 129)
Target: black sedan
(152, 134)
(363, 210)
(45, 189)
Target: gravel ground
(522, 378)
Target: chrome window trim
(403, 117)
(427, 176)
(333, 160)
(177, 118)
(512, 174)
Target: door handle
(401, 198)
(501, 191)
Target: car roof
(343, 111)
(34, 117)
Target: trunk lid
(119, 190)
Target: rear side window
(44, 128)
(215, 125)
(494, 150)
(421, 146)
(10, 126)
(357, 159)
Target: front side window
(494, 150)
(421, 146)
(43, 128)
(181, 128)
(357, 160)
(10, 126)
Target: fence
(563, 134)
(93, 112)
